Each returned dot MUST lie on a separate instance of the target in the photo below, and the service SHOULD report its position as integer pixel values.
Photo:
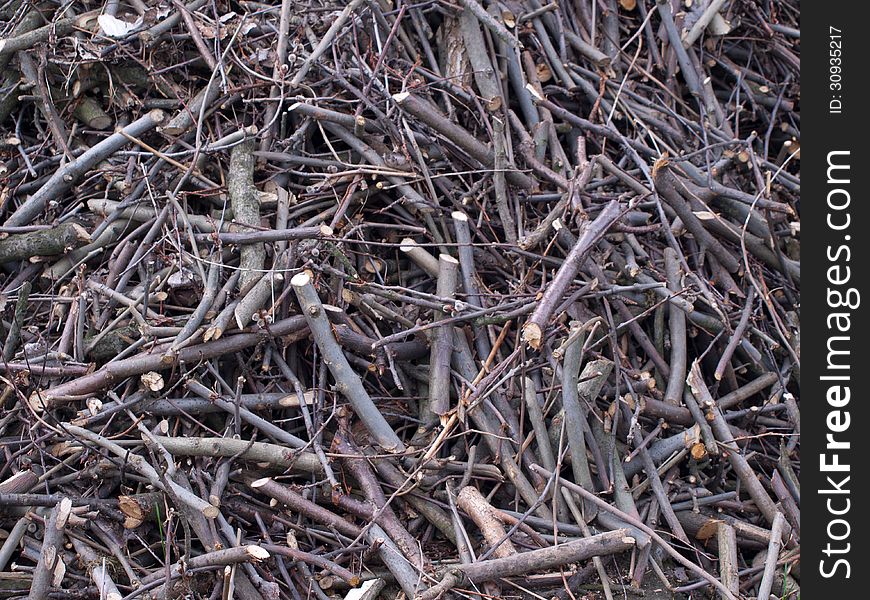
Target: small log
(47, 242)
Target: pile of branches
(457, 298)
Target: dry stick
(266, 236)
(700, 25)
(487, 520)
(187, 116)
(442, 341)
(463, 542)
(463, 363)
(602, 544)
(279, 70)
(723, 433)
(469, 278)
(14, 334)
(265, 426)
(770, 561)
(477, 52)
(186, 335)
(677, 327)
(12, 79)
(141, 466)
(196, 35)
(56, 127)
(728, 565)
(598, 58)
(27, 40)
(347, 120)
(599, 130)
(50, 564)
(533, 330)
(297, 503)
(703, 526)
(273, 454)
(782, 491)
(47, 242)
(223, 321)
(539, 426)
(325, 43)
(405, 573)
(527, 149)
(734, 398)
(610, 33)
(737, 336)
(692, 404)
(662, 449)
(661, 496)
(413, 197)
(173, 407)
(21, 483)
(96, 565)
(575, 415)
(226, 556)
(121, 298)
(313, 435)
(502, 201)
(144, 213)
(347, 381)
(540, 233)
(317, 561)
(429, 114)
(259, 295)
(557, 66)
(10, 544)
(687, 68)
(170, 476)
(441, 520)
(66, 176)
(640, 525)
(592, 379)
(119, 370)
(491, 23)
(246, 211)
(219, 484)
(668, 189)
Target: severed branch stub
(246, 211)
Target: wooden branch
(429, 114)
(533, 330)
(347, 381)
(50, 569)
(602, 544)
(137, 365)
(47, 242)
(65, 177)
(487, 520)
(735, 457)
(442, 341)
(246, 212)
